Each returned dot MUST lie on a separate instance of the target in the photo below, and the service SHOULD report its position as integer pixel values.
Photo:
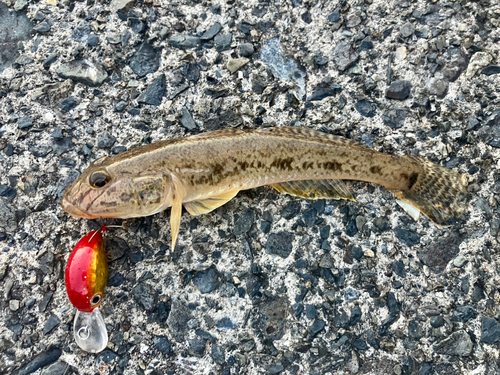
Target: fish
(86, 272)
(204, 171)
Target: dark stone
(42, 28)
(223, 42)
(49, 60)
(365, 108)
(184, 41)
(275, 368)
(50, 324)
(208, 280)
(311, 311)
(463, 314)
(316, 327)
(93, 40)
(395, 117)
(14, 27)
(392, 304)
(399, 90)
(61, 146)
(105, 140)
(310, 217)
(414, 330)
(323, 91)
(68, 104)
(205, 335)
(491, 70)
(409, 238)
(437, 321)
(366, 44)
(24, 123)
(135, 255)
(458, 343)
(137, 25)
(357, 252)
(116, 248)
(186, 119)
(291, 210)
(344, 56)
(192, 72)
(218, 354)
(477, 294)
(355, 315)
(45, 301)
(177, 320)
(197, 347)
(7, 192)
(438, 254)
(154, 92)
(120, 106)
(244, 222)
(211, 32)
(116, 280)
(490, 330)
(280, 244)
(265, 226)
(39, 361)
(306, 17)
(341, 320)
(145, 60)
(399, 268)
(145, 296)
(351, 229)
(246, 49)
(360, 345)
(39, 150)
(162, 344)
(324, 232)
(335, 16)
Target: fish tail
(439, 193)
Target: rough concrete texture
(267, 283)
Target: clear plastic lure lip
(90, 331)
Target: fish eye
(99, 179)
(95, 300)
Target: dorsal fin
(300, 132)
(315, 189)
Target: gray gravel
(267, 283)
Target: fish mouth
(74, 210)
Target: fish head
(104, 192)
(87, 272)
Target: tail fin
(437, 192)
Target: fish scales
(204, 171)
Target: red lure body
(87, 272)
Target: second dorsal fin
(315, 189)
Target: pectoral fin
(316, 189)
(175, 220)
(209, 204)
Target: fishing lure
(86, 277)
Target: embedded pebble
(233, 65)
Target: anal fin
(209, 204)
(315, 189)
